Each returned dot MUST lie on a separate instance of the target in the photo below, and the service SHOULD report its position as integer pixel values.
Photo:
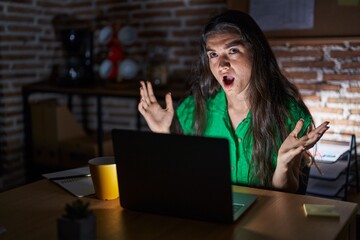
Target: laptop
(177, 175)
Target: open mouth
(228, 80)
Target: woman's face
(230, 62)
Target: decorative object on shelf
(114, 66)
(109, 66)
(106, 69)
(157, 66)
(77, 41)
(78, 222)
(127, 35)
(105, 35)
(128, 69)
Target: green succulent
(77, 209)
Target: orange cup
(104, 177)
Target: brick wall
(326, 71)
(27, 52)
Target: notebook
(320, 210)
(76, 181)
(177, 175)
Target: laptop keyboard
(237, 206)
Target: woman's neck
(238, 108)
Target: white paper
(328, 152)
(283, 14)
(79, 187)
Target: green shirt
(240, 143)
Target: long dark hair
(269, 89)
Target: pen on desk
(70, 176)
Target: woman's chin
(228, 85)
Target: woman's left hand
(293, 146)
(286, 175)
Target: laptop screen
(178, 175)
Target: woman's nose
(224, 62)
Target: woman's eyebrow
(229, 45)
(235, 43)
(208, 49)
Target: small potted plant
(78, 222)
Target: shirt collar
(218, 103)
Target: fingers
(297, 128)
(292, 142)
(314, 136)
(319, 131)
(322, 128)
(142, 106)
(309, 139)
(147, 92)
(148, 100)
(144, 92)
(144, 98)
(293, 146)
(150, 92)
(169, 102)
(295, 151)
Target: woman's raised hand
(286, 175)
(293, 146)
(157, 118)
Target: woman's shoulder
(297, 109)
(186, 104)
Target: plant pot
(77, 229)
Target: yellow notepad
(321, 210)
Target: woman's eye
(234, 50)
(212, 55)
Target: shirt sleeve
(297, 113)
(185, 113)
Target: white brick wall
(327, 73)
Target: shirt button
(232, 168)
(239, 139)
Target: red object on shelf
(115, 53)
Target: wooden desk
(30, 212)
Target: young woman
(239, 93)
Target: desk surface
(30, 212)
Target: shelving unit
(124, 90)
(336, 178)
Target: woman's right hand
(157, 118)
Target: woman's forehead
(223, 38)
